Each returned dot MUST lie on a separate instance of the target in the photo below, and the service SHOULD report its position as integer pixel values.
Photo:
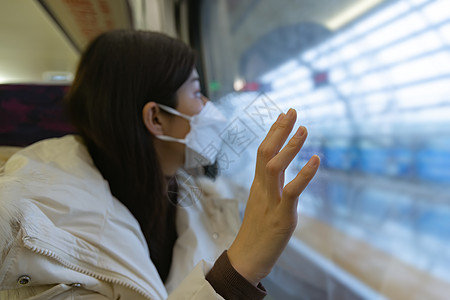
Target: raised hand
(271, 213)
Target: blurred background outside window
(371, 81)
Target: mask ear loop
(177, 113)
(170, 139)
(174, 111)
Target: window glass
(371, 81)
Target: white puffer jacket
(64, 236)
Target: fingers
(293, 189)
(275, 139)
(277, 165)
(282, 160)
(281, 132)
(274, 126)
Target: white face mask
(203, 142)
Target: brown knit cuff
(231, 285)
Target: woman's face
(190, 102)
(189, 95)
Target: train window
(371, 81)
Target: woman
(93, 215)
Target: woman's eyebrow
(195, 78)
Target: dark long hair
(118, 74)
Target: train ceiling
(33, 45)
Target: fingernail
(300, 131)
(290, 112)
(314, 162)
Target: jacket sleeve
(230, 284)
(195, 286)
(221, 281)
